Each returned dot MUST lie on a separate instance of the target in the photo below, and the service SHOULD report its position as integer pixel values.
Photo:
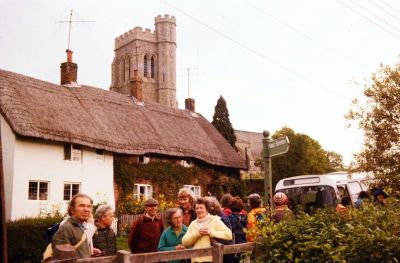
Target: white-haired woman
(104, 241)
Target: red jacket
(145, 234)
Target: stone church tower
(153, 54)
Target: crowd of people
(195, 224)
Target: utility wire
(384, 2)
(384, 10)
(365, 17)
(320, 44)
(254, 52)
(377, 17)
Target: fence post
(123, 256)
(66, 253)
(218, 252)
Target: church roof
(108, 120)
(251, 140)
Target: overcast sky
(277, 63)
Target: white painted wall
(8, 144)
(43, 160)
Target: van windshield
(310, 197)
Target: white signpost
(271, 148)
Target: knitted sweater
(145, 234)
(195, 240)
(104, 239)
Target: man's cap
(151, 202)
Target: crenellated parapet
(165, 18)
(136, 33)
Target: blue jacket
(169, 240)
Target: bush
(371, 234)
(27, 238)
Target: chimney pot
(136, 88)
(69, 70)
(190, 104)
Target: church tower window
(128, 67)
(122, 70)
(145, 69)
(152, 68)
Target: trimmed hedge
(27, 238)
(371, 234)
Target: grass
(122, 243)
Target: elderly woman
(171, 238)
(204, 228)
(104, 242)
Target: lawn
(122, 243)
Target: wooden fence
(125, 221)
(67, 253)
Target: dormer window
(72, 152)
(186, 163)
(143, 159)
(100, 154)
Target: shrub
(27, 238)
(371, 234)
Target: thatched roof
(108, 120)
(250, 140)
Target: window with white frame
(38, 190)
(100, 155)
(186, 163)
(195, 188)
(143, 159)
(70, 189)
(142, 191)
(72, 152)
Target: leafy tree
(305, 156)
(378, 115)
(335, 161)
(222, 123)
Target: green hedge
(27, 238)
(371, 234)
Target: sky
(276, 63)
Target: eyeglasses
(176, 217)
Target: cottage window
(195, 188)
(143, 159)
(71, 189)
(142, 191)
(100, 155)
(72, 152)
(38, 190)
(186, 163)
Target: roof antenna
(188, 78)
(70, 21)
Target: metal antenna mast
(70, 21)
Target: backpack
(48, 253)
(51, 231)
(239, 222)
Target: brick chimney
(69, 70)
(190, 104)
(136, 86)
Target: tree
(222, 123)
(335, 161)
(305, 156)
(378, 115)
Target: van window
(310, 197)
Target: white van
(316, 191)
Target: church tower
(153, 55)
